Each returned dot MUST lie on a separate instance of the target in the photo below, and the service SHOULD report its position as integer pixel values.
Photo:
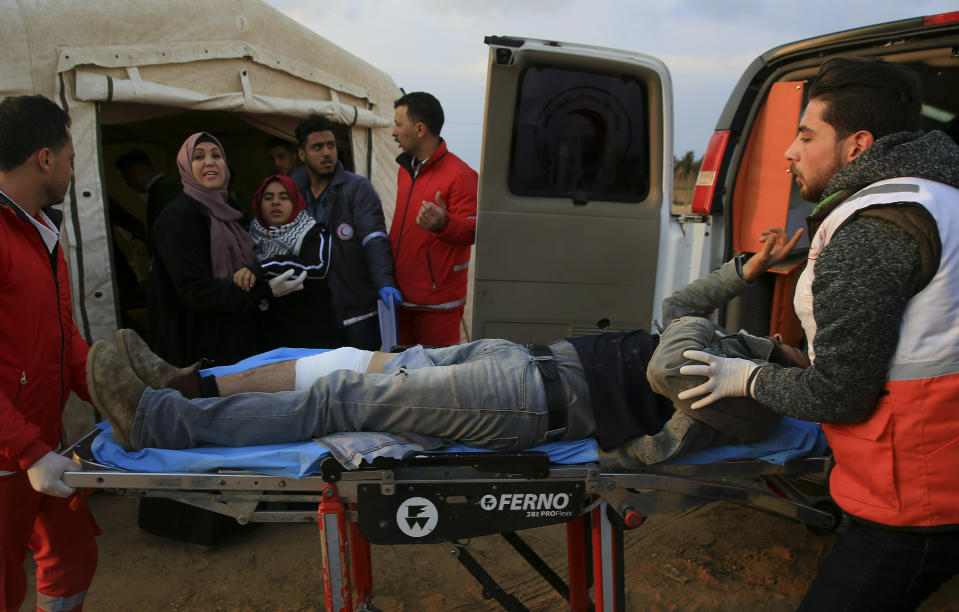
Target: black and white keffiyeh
(281, 240)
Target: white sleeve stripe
(374, 235)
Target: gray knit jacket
(864, 279)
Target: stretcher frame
(476, 494)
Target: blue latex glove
(390, 292)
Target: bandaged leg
(289, 375)
(308, 369)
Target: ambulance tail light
(709, 173)
(940, 19)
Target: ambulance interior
(764, 195)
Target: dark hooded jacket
(303, 318)
(362, 260)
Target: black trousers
(871, 569)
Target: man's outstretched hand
(776, 246)
(728, 377)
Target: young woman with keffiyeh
(290, 244)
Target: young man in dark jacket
(878, 301)
(361, 264)
(42, 360)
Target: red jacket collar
(406, 160)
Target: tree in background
(685, 171)
(687, 165)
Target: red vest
(901, 466)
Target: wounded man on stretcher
(491, 394)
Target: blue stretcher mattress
(791, 439)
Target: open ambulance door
(574, 190)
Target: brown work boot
(148, 366)
(114, 388)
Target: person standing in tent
(138, 173)
(42, 360)
(194, 309)
(281, 156)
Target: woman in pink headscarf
(288, 242)
(194, 308)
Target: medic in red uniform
(42, 359)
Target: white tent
(146, 73)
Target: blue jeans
(487, 394)
(871, 569)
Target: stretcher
(455, 495)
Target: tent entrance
(159, 132)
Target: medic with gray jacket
(879, 301)
(42, 359)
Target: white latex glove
(44, 475)
(284, 285)
(728, 377)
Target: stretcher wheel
(625, 518)
(633, 519)
(826, 505)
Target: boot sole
(98, 403)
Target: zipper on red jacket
(429, 267)
(56, 290)
(406, 209)
(63, 339)
(23, 383)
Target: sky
(437, 45)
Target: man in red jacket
(433, 226)
(42, 360)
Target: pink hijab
(231, 247)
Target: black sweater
(191, 314)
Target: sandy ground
(715, 557)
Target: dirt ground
(716, 557)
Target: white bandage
(308, 369)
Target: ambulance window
(580, 135)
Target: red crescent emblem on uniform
(344, 231)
